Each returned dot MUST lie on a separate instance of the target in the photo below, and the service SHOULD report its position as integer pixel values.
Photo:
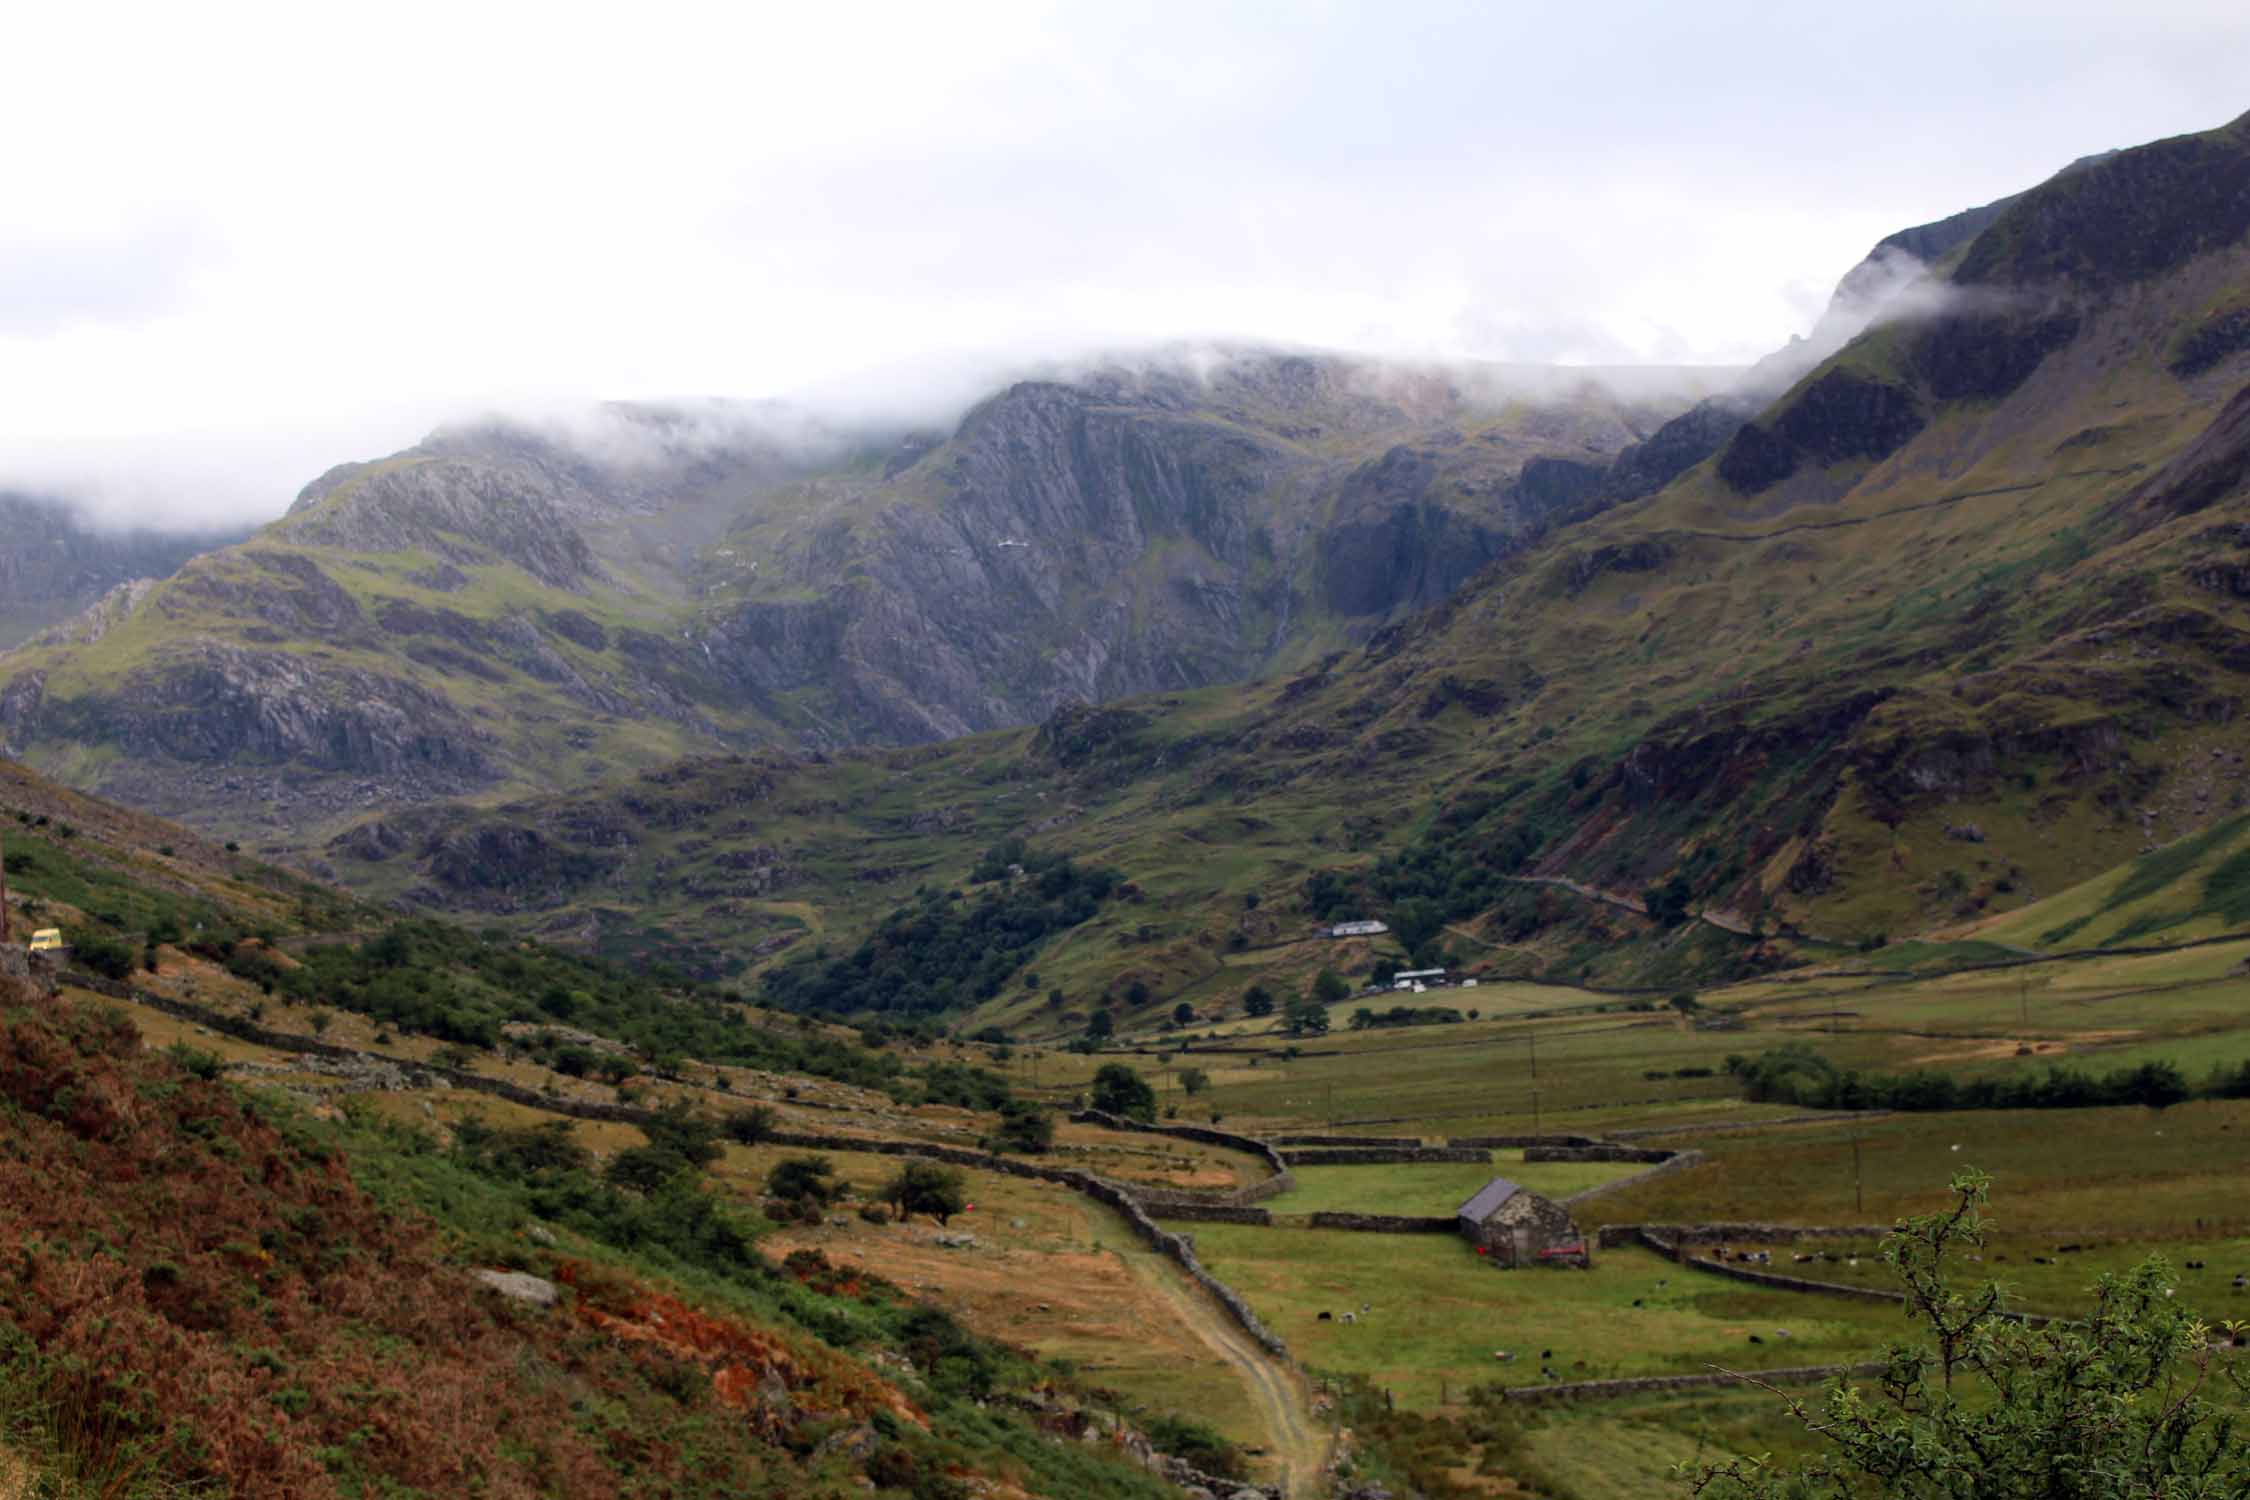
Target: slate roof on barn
(1486, 1200)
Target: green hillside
(1955, 624)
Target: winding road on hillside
(1276, 1390)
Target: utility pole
(1535, 1130)
(1532, 1036)
(1859, 1189)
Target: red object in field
(1564, 1252)
(1482, 1251)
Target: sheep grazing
(1546, 1354)
(1325, 1318)
(1348, 1318)
(1636, 1302)
(1505, 1356)
(1755, 1339)
(1365, 1309)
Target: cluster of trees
(805, 1187)
(946, 949)
(1796, 1074)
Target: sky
(242, 242)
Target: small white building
(1358, 929)
(1417, 979)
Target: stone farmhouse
(1514, 1227)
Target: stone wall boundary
(1365, 1142)
(1717, 1127)
(1650, 1155)
(1382, 1156)
(1612, 1235)
(1677, 1161)
(1596, 1390)
(1514, 1142)
(1208, 1213)
(1381, 1223)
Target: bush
(112, 958)
(923, 1187)
(800, 1179)
(1118, 1090)
(1024, 1127)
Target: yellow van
(47, 940)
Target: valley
(1246, 924)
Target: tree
(1417, 924)
(1136, 993)
(1667, 904)
(1257, 1001)
(923, 1187)
(1985, 1407)
(1362, 1018)
(1331, 987)
(1194, 1080)
(1685, 1003)
(801, 1179)
(749, 1126)
(1024, 1127)
(1183, 1014)
(1118, 1090)
(1308, 1018)
(1101, 1025)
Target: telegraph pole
(1859, 1190)
(1532, 1036)
(1535, 1130)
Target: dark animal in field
(2195, 1265)
(2041, 1260)
(1325, 1318)
(1546, 1354)
(1755, 1339)
(1636, 1302)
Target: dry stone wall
(1674, 1161)
(1596, 1390)
(1514, 1142)
(1382, 1156)
(1649, 1154)
(1382, 1223)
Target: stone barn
(1516, 1227)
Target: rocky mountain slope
(53, 565)
(1954, 622)
(501, 609)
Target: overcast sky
(239, 243)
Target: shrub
(109, 957)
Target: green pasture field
(1434, 1188)
(1439, 1315)
(2077, 1174)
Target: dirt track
(1276, 1389)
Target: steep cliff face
(501, 608)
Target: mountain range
(1941, 609)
